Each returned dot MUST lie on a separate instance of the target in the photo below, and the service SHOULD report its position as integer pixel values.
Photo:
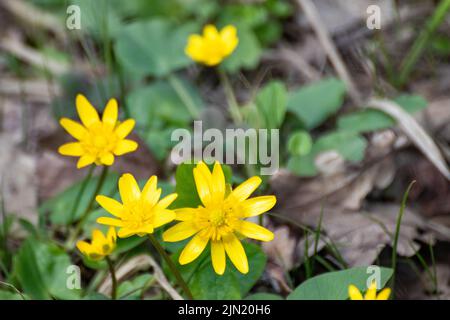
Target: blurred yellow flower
(220, 219)
(213, 46)
(141, 212)
(371, 294)
(98, 140)
(100, 245)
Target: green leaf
(369, 120)
(302, 166)
(300, 143)
(247, 53)
(60, 207)
(27, 271)
(206, 284)
(334, 285)
(9, 295)
(154, 47)
(315, 103)
(41, 270)
(349, 144)
(271, 102)
(264, 296)
(185, 185)
(131, 289)
(159, 102)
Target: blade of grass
(421, 42)
(397, 234)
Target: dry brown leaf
(414, 132)
(281, 248)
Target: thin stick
(314, 18)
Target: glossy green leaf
(334, 285)
(315, 103)
(154, 47)
(299, 143)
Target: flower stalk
(113, 278)
(172, 266)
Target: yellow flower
(213, 46)
(141, 212)
(100, 246)
(98, 140)
(371, 293)
(220, 219)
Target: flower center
(137, 216)
(217, 218)
(100, 140)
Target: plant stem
(81, 192)
(113, 278)
(421, 42)
(88, 209)
(183, 95)
(397, 234)
(231, 98)
(172, 266)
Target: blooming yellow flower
(100, 246)
(371, 293)
(213, 46)
(141, 212)
(98, 140)
(220, 219)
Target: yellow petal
(185, 214)
(128, 189)
(180, 231)
(125, 128)
(111, 113)
(86, 111)
(384, 294)
(193, 249)
(354, 293)
(125, 232)
(371, 293)
(111, 205)
(194, 48)
(202, 177)
(150, 194)
(98, 239)
(73, 149)
(107, 159)
(254, 231)
(257, 205)
(167, 201)
(112, 236)
(84, 247)
(110, 221)
(218, 257)
(236, 253)
(163, 217)
(218, 182)
(210, 32)
(75, 129)
(229, 39)
(125, 146)
(85, 160)
(246, 188)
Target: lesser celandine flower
(213, 46)
(98, 140)
(140, 212)
(371, 293)
(100, 246)
(221, 219)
